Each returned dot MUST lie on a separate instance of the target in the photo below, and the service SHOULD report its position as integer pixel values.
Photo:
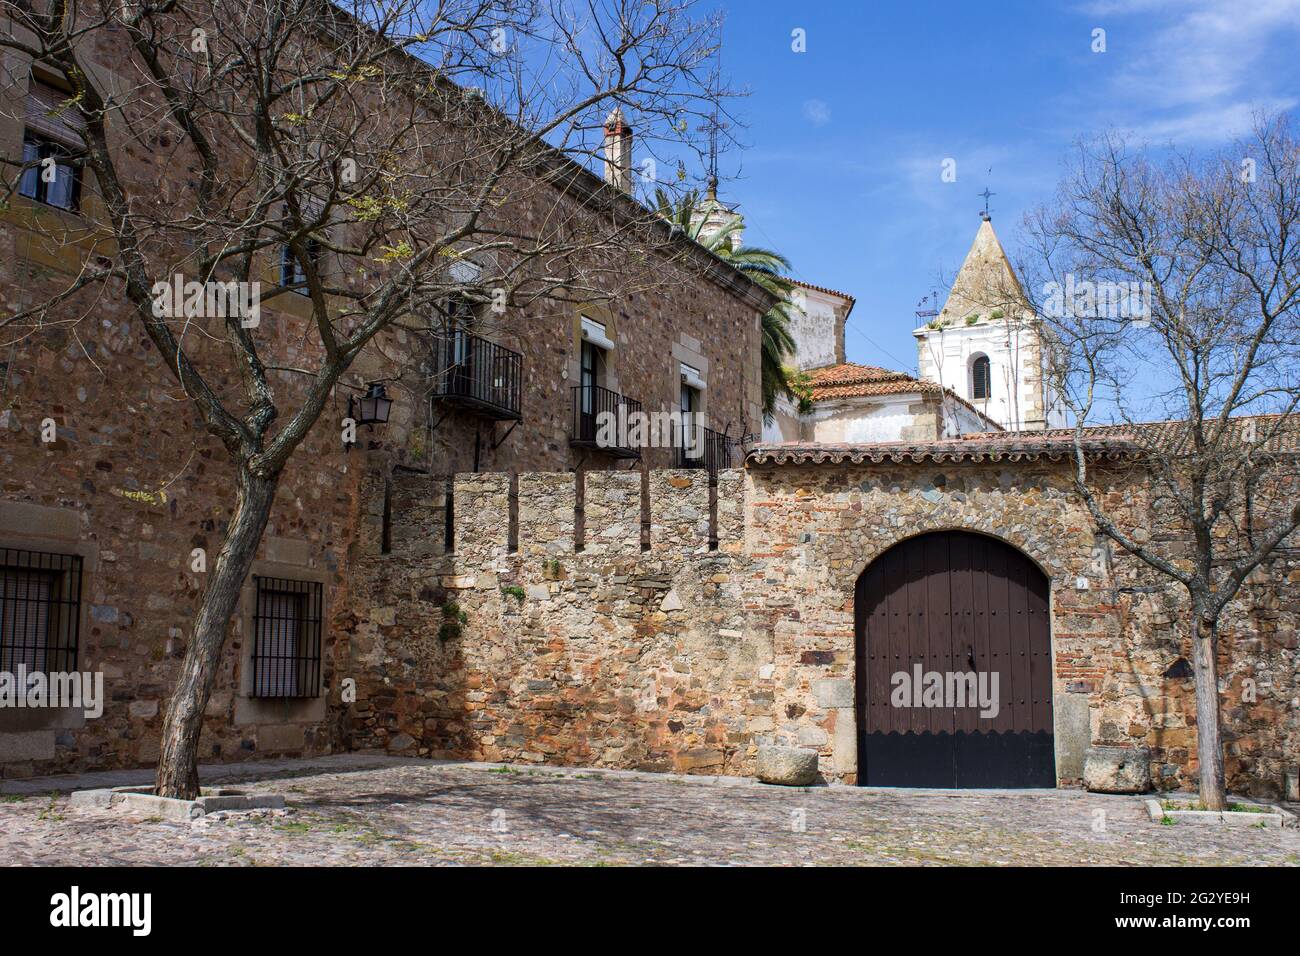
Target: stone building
(817, 328)
(982, 365)
(109, 481)
(559, 605)
(863, 403)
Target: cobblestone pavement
(351, 810)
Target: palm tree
(766, 267)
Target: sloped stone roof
(985, 282)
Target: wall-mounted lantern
(370, 409)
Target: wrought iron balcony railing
(475, 373)
(601, 420)
(705, 448)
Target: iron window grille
(593, 404)
(287, 638)
(40, 611)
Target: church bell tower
(988, 346)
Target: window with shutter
(981, 378)
(51, 139)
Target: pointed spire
(986, 281)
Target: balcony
(594, 406)
(473, 373)
(711, 451)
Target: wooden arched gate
(954, 666)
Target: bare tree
(1171, 285)
(363, 160)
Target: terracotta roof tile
(1278, 433)
(1114, 442)
(851, 380)
(993, 448)
(822, 288)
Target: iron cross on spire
(986, 194)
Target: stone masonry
(671, 652)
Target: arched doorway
(954, 666)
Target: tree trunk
(178, 763)
(1209, 742)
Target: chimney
(618, 151)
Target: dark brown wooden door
(972, 611)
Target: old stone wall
(131, 482)
(664, 651)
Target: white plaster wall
(960, 420)
(854, 421)
(813, 326)
(784, 425)
(946, 355)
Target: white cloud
(1194, 70)
(816, 112)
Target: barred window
(40, 610)
(287, 638)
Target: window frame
(591, 376)
(975, 380)
(290, 266)
(62, 607)
(31, 179)
(270, 679)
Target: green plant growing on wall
(454, 620)
(972, 318)
(997, 314)
(514, 591)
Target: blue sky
(839, 166)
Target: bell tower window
(981, 378)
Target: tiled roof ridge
(853, 380)
(822, 288)
(943, 450)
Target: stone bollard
(1117, 769)
(790, 766)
